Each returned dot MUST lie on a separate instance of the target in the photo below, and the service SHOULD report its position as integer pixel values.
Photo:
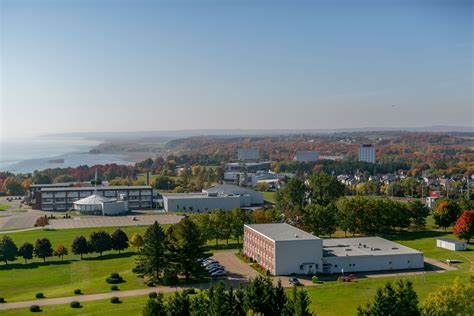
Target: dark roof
(106, 188)
(52, 185)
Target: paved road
(111, 221)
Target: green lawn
(55, 278)
(4, 207)
(269, 196)
(129, 306)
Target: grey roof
(94, 200)
(178, 196)
(52, 185)
(230, 189)
(363, 246)
(282, 231)
(454, 241)
(106, 188)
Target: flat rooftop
(179, 196)
(363, 246)
(282, 232)
(454, 241)
(91, 188)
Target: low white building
(202, 202)
(451, 244)
(256, 198)
(99, 205)
(283, 249)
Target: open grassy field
(4, 207)
(269, 196)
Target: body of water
(24, 155)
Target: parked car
(217, 274)
(213, 269)
(209, 263)
(294, 281)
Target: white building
(451, 244)
(306, 156)
(96, 204)
(202, 202)
(367, 153)
(256, 198)
(283, 249)
(248, 154)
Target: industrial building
(306, 156)
(224, 197)
(63, 198)
(451, 244)
(99, 205)
(283, 249)
(367, 153)
(248, 154)
(242, 172)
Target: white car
(220, 273)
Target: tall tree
(119, 240)
(292, 198)
(399, 301)
(418, 213)
(99, 242)
(239, 218)
(454, 299)
(43, 248)
(151, 260)
(185, 247)
(26, 251)
(179, 304)
(446, 213)
(217, 218)
(464, 228)
(80, 246)
(155, 307)
(8, 249)
(136, 241)
(325, 188)
(320, 220)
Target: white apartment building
(367, 153)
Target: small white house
(451, 244)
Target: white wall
(375, 263)
(289, 255)
(115, 208)
(451, 245)
(226, 203)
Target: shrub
(114, 288)
(39, 295)
(35, 308)
(150, 283)
(114, 278)
(2, 300)
(75, 304)
(153, 295)
(77, 291)
(189, 291)
(315, 279)
(115, 300)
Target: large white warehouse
(283, 249)
(256, 198)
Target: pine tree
(151, 260)
(155, 307)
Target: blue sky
(72, 66)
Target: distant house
(451, 244)
(248, 154)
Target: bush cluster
(153, 295)
(39, 295)
(114, 278)
(75, 304)
(115, 300)
(77, 291)
(114, 288)
(2, 300)
(35, 308)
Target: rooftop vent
(348, 249)
(394, 248)
(296, 236)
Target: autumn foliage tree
(464, 227)
(445, 213)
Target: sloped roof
(93, 200)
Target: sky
(86, 66)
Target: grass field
(4, 207)
(269, 196)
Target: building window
(335, 266)
(301, 267)
(408, 261)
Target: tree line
(260, 297)
(98, 242)
(400, 299)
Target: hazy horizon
(102, 66)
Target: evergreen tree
(43, 248)
(155, 307)
(179, 304)
(119, 240)
(200, 304)
(26, 251)
(100, 242)
(185, 246)
(80, 246)
(151, 260)
(8, 249)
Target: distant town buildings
(283, 249)
(248, 154)
(367, 153)
(306, 156)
